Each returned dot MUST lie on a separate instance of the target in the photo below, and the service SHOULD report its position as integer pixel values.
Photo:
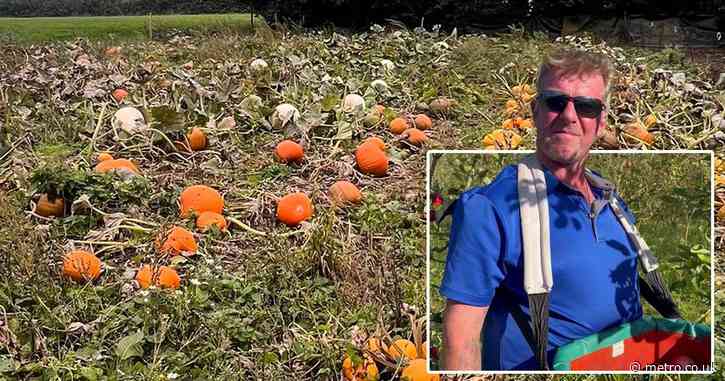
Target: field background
(668, 193)
(119, 28)
(289, 303)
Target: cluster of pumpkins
(365, 368)
(518, 119)
(197, 200)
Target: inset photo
(603, 265)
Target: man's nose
(569, 113)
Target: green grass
(42, 29)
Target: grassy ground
(111, 28)
(669, 194)
(270, 302)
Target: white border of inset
(522, 152)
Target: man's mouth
(564, 132)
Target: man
(593, 263)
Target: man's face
(565, 137)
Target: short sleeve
(474, 265)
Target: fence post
(148, 22)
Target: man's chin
(562, 157)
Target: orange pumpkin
(294, 208)
(288, 151)
(638, 131)
(376, 141)
(103, 156)
(344, 192)
(378, 109)
(402, 347)
(416, 371)
(161, 276)
(366, 371)
(123, 166)
(119, 95)
(398, 125)
(371, 159)
(200, 198)
(197, 139)
(46, 208)
(81, 266)
(206, 220)
(179, 240)
(423, 122)
(415, 136)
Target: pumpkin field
(253, 206)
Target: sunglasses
(587, 107)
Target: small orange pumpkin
(81, 266)
(639, 132)
(289, 151)
(294, 208)
(179, 240)
(415, 136)
(416, 371)
(200, 198)
(197, 139)
(122, 166)
(423, 122)
(402, 347)
(398, 125)
(371, 159)
(208, 219)
(379, 109)
(344, 192)
(119, 95)
(46, 208)
(103, 156)
(366, 371)
(161, 276)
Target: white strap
(534, 209)
(646, 258)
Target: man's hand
(462, 336)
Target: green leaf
(270, 358)
(7, 364)
(344, 130)
(130, 346)
(330, 101)
(90, 373)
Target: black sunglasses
(587, 107)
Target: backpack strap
(652, 286)
(538, 279)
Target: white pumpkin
(130, 120)
(387, 65)
(284, 114)
(259, 66)
(353, 103)
(380, 86)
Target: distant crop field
(42, 29)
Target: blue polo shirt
(593, 264)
